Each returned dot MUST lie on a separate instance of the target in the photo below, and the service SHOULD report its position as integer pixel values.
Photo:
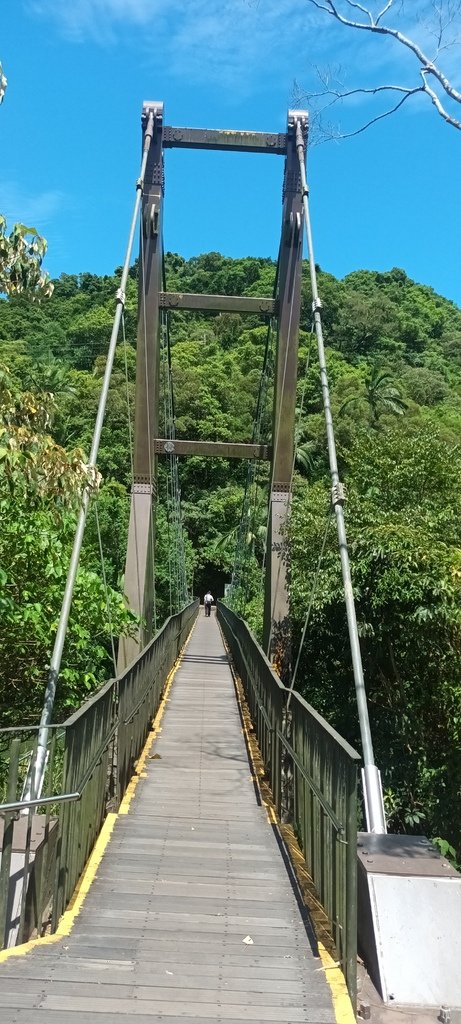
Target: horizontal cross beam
(220, 303)
(206, 138)
(217, 449)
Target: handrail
(22, 805)
(313, 774)
(313, 785)
(91, 759)
(336, 736)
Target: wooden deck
(191, 874)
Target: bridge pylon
(284, 308)
(277, 626)
(139, 565)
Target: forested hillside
(394, 356)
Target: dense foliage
(394, 356)
(40, 487)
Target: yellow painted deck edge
(342, 1005)
(67, 920)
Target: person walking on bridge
(208, 601)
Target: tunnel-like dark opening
(209, 577)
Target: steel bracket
(144, 488)
(151, 220)
(338, 494)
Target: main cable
(38, 766)
(374, 804)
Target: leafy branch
(22, 252)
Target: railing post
(7, 843)
(286, 765)
(351, 885)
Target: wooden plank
(192, 1008)
(72, 1016)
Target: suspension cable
(106, 589)
(374, 805)
(36, 770)
(310, 604)
(241, 555)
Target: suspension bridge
(185, 845)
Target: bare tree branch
(445, 13)
(380, 117)
(384, 11)
(373, 25)
(437, 103)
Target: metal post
(139, 565)
(277, 631)
(374, 805)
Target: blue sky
(78, 71)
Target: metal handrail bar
(26, 728)
(264, 712)
(97, 758)
(315, 789)
(84, 708)
(126, 721)
(275, 678)
(336, 736)
(163, 628)
(19, 805)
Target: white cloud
(34, 210)
(97, 18)
(239, 42)
(205, 39)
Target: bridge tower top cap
(152, 106)
(297, 115)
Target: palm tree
(47, 375)
(305, 450)
(380, 394)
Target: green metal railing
(322, 783)
(91, 758)
(265, 694)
